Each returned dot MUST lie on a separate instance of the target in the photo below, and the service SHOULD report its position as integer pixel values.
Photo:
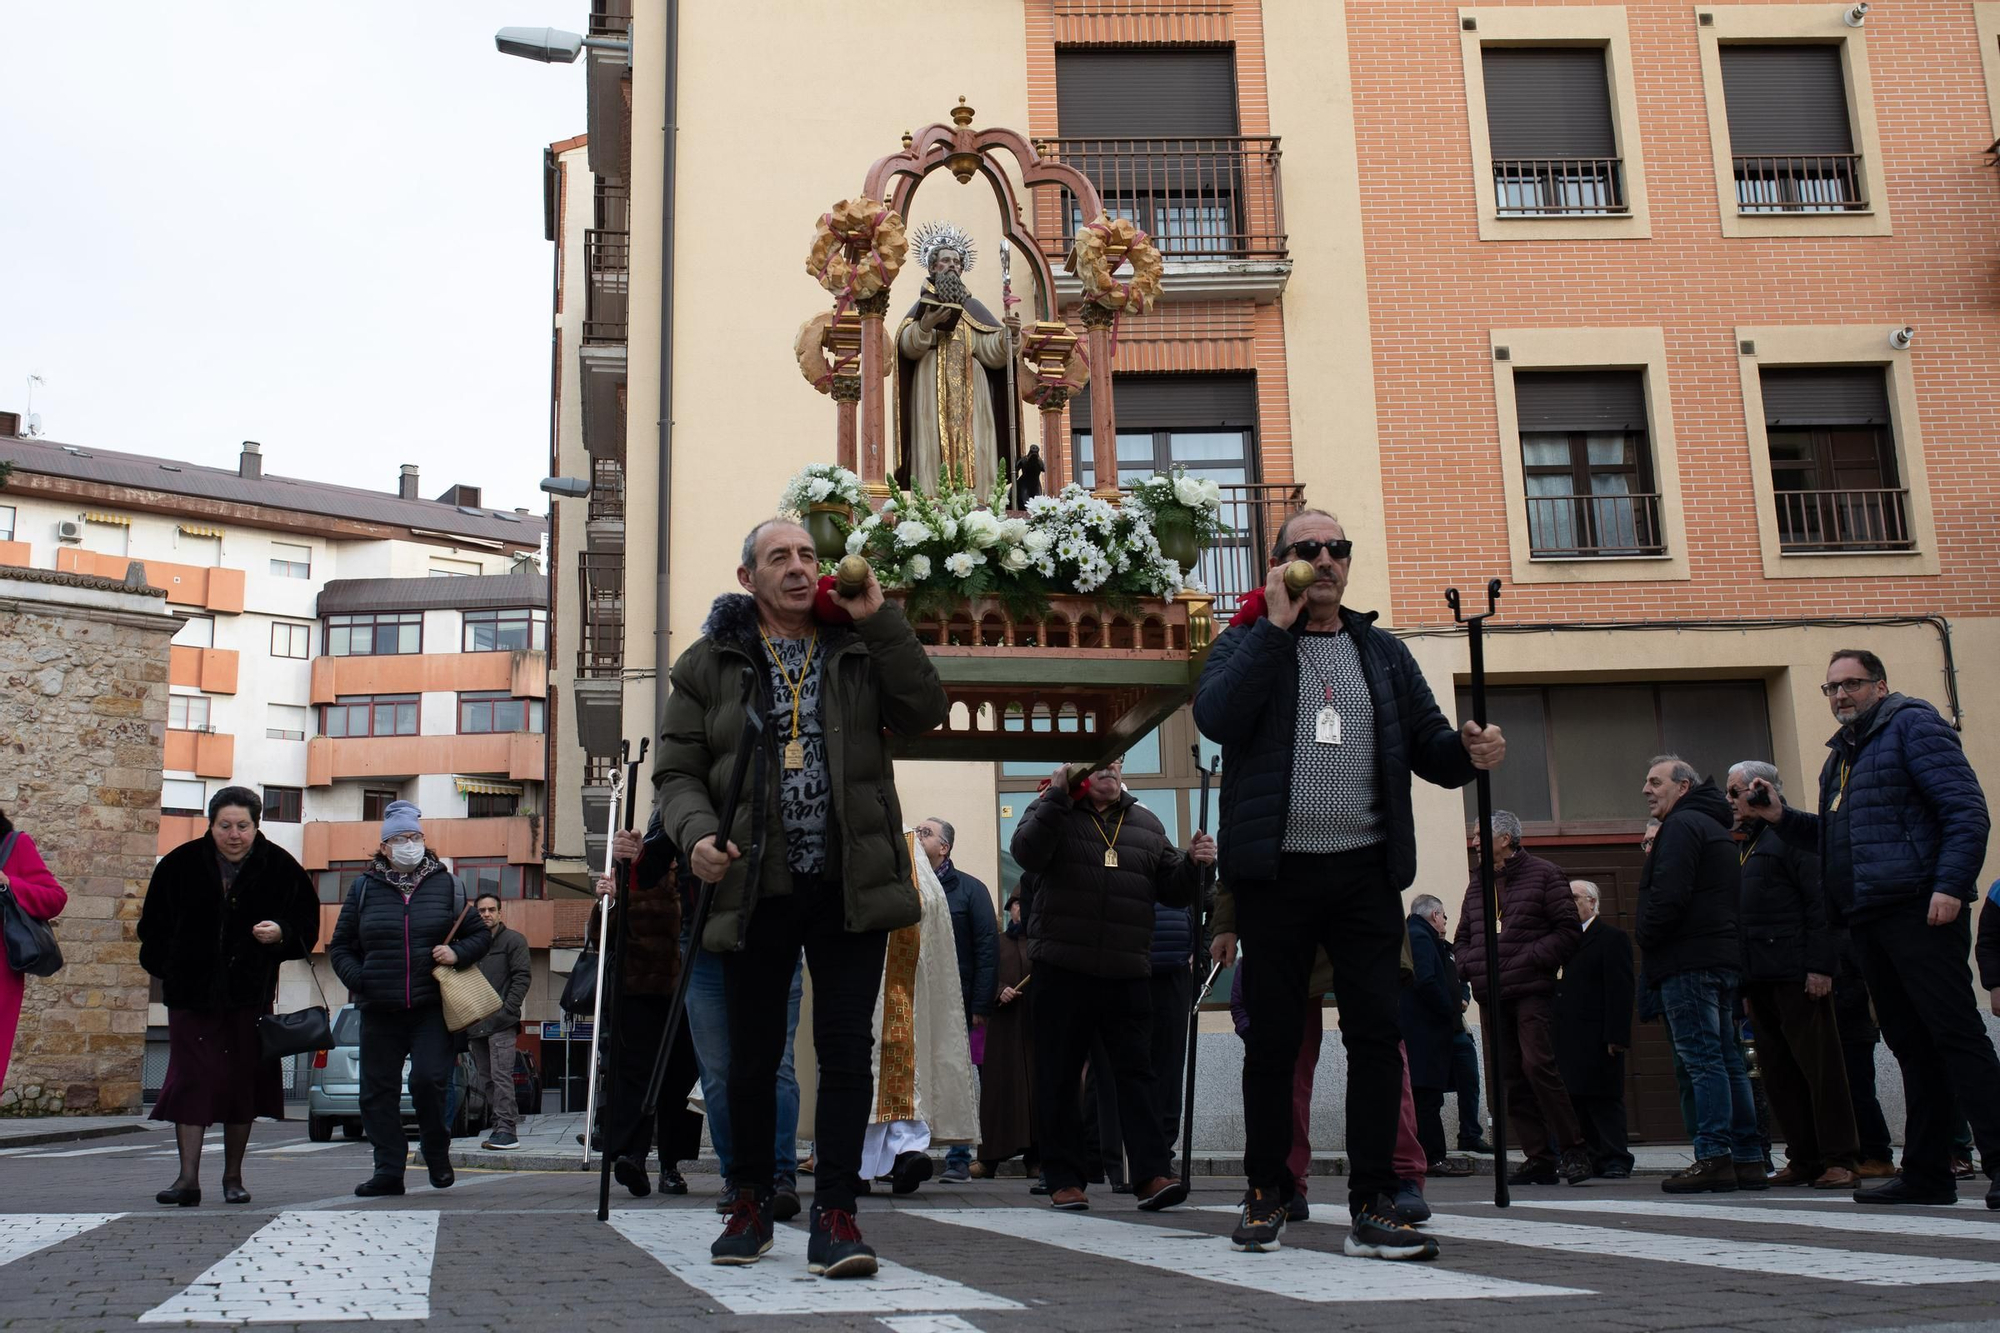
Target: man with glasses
(1901, 832)
(1323, 719)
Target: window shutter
(1785, 101)
(1548, 102)
(1176, 402)
(1175, 94)
(1836, 396)
(1580, 400)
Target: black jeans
(635, 1044)
(1871, 1127)
(1345, 904)
(1465, 1082)
(1922, 984)
(1173, 996)
(1071, 1010)
(846, 969)
(1430, 1121)
(388, 1036)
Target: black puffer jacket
(1087, 916)
(1783, 909)
(1688, 890)
(1247, 702)
(1539, 930)
(199, 944)
(382, 942)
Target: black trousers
(1602, 1120)
(1871, 1127)
(1072, 1009)
(1922, 984)
(388, 1037)
(1345, 904)
(1103, 1141)
(846, 971)
(1430, 1121)
(1804, 1073)
(1172, 995)
(1465, 1082)
(635, 1044)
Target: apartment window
(290, 640)
(504, 631)
(198, 547)
(493, 874)
(284, 805)
(107, 534)
(338, 877)
(492, 804)
(195, 632)
(381, 634)
(370, 715)
(187, 712)
(490, 711)
(183, 796)
(6, 523)
(1833, 461)
(375, 804)
(1548, 123)
(1586, 464)
(453, 569)
(1789, 134)
(286, 722)
(291, 562)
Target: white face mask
(406, 855)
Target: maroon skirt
(216, 1073)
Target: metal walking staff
(603, 948)
(1490, 1016)
(1013, 408)
(1197, 917)
(614, 977)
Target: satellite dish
(34, 428)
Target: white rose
(980, 529)
(1188, 491)
(911, 533)
(1015, 560)
(1014, 530)
(1211, 493)
(958, 563)
(920, 568)
(856, 540)
(819, 488)
(1036, 542)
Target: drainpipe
(663, 561)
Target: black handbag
(302, 1030)
(31, 945)
(580, 991)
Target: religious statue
(951, 374)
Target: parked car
(333, 1095)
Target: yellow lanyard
(1837, 796)
(1749, 848)
(1110, 842)
(797, 687)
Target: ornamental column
(873, 465)
(1103, 433)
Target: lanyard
(797, 687)
(1842, 793)
(1111, 841)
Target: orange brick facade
(1436, 290)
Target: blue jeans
(708, 1023)
(1699, 1007)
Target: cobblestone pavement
(83, 1246)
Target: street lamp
(569, 488)
(553, 46)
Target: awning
(120, 520)
(481, 787)
(197, 530)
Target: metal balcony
(1800, 183)
(1199, 199)
(1590, 527)
(1559, 187)
(1862, 520)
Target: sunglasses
(1309, 550)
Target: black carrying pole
(1197, 921)
(614, 979)
(1490, 1016)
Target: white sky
(318, 226)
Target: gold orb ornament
(1299, 576)
(850, 576)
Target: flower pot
(1178, 544)
(823, 525)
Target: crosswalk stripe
(308, 1266)
(1302, 1275)
(1921, 1210)
(24, 1233)
(87, 1152)
(1872, 1223)
(927, 1323)
(1806, 1261)
(779, 1284)
(305, 1147)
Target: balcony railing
(1800, 183)
(600, 649)
(1251, 516)
(607, 489)
(1196, 198)
(1866, 520)
(607, 255)
(1589, 527)
(610, 18)
(1526, 187)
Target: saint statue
(951, 374)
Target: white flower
(912, 533)
(890, 506)
(980, 529)
(1211, 493)
(920, 568)
(950, 530)
(856, 541)
(1014, 530)
(1036, 542)
(1188, 491)
(1015, 560)
(959, 563)
(818, 488)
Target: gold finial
(961, 115)
(908, 139)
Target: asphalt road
(83, 1246)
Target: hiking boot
(672, 1181)
(1297, 1209)
(725, 1198)
(1835, 1178)
(1710, 1175)
(1899, 1190)
(632, 1175)
(1160, 1193)
(1444, 1168)
(501, 1140)
(1752, 1176)
(1070, 1199)
(1260, 1224)
(1793, 1174)
(784, 1199)
(1377, 1234)
(1574, 1166)
(911, 1170)
(1407, 1204)
(376, 1186)
(1534, 1171)
(836, 1248)
(747, 1236)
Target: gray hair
(1506, 824)
(1682, 770)
(1588, 890)
(1652, 824)
(1757, 770)
(945, 830)
(1424, 904)
(750, 542)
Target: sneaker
(377, 1185)
(1534, 1171)
(1407, 1205)
(747, 1237)
(784, 1199)
(836, 1248)
(1899, 1190)
(725, 1199)
(1444, 1168)
(632, 1175)
(1710, 1175)
(1377, 1234)
(1752, 1176)
(501, 1140)
(1575, 1166)
(1297, 1209)
(911, 1170)
(1161, 1193)
(672, 1181)
(958, 1173)
(1261, 1223)
(1476, 1143)
(1070, 1199)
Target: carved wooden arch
(896, 178)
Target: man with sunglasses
(1901, 832)
(1323, 719)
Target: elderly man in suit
(1594, 1030)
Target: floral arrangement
(1176, 501)
(858, 248)
(820, 483)
(1098, 267)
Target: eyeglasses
(1853, 685)
(404, 837)
(1309, 550)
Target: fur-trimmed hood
(732, 617)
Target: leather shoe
(1899, 1190)
(672, 1181)
(1446, 1168)
(911, 1170)
(1539, 1171)
(1875, 1169)
(1751, 1176)
(1041, 1186)
(1070, 1199)
(626, 1171)
(1480, 1144)
(233, 1192)
(1834, 1178)
(1161, 1192)
(176, 1197)
(1961, 1167)
(442, 1175)
(1793, 1174)
(377, 1186)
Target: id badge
(1326, 726)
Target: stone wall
(83, 711)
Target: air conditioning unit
(69, 530)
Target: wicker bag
(468, 996)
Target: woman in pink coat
(36, 890)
